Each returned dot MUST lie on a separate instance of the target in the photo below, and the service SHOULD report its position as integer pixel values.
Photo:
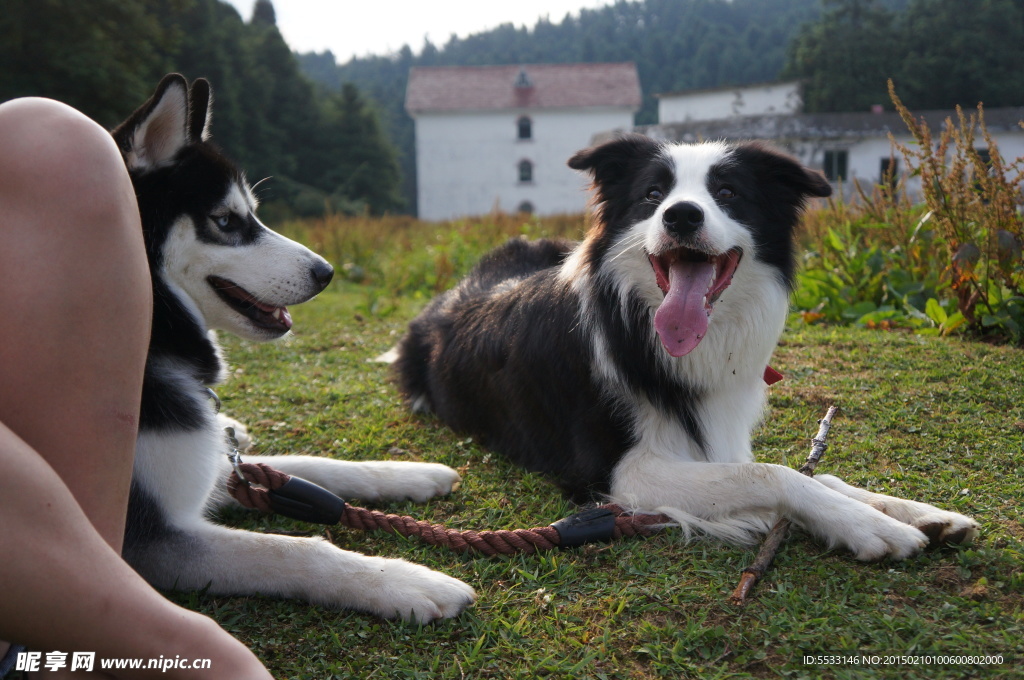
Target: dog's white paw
(399, 481)
(939, 526)
(943, 527)
(411, 592)
(241, 432)
(429, 480)
(878, 536)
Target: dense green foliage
(105, 57)
(940, 53)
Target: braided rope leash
(261, 487)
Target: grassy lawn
(924, 418)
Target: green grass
(926, 418)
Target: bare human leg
(73, 342)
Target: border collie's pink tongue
(682, 318)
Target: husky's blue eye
(221, 221)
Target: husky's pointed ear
(610, 162)
(158, 129)
(200, 100)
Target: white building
(846, 146)
(730, 102)
(498, 137)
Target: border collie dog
(214, 265)
(632, 365)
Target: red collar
(771, 376)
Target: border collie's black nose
(683, 218)
(322, 273)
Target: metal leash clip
(297, 498)
(234, 455)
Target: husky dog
(215, 266)
(633, 365)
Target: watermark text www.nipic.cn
(86, 661)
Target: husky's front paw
(411, 592)
(241, 432)
(400, 481)
(427, 480)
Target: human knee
(49, 148)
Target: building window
(525, 171)
(526, 207)
(890, 173)
(835, 165)
(524, 128)
(523, 81)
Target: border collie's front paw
(947, 528)
(881, 537)
(407, 591)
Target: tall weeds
(974, 200)
(403, 256)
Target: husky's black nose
(322, 273)
(683, 218)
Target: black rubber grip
(589, 526)
(307, 502)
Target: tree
(959, 56)
(938, 52)
(359, 165)
(267, 115)
(846, 58)
(263, 13)
(76, 52)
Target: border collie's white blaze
(632, 364)
(215, 266)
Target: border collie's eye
(654, 194)
(725, 191)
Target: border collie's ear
(782, 168)
(158, 129)
(609, 161)
(200, 100)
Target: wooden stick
(763, 562)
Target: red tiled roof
(481, 88)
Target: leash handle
(307, 502)
(589, 526)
